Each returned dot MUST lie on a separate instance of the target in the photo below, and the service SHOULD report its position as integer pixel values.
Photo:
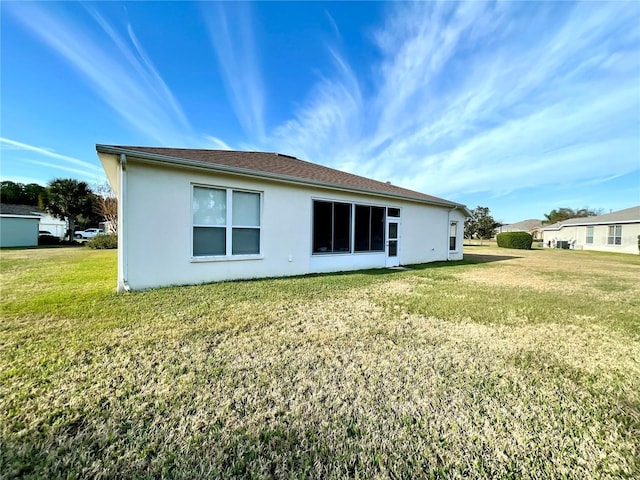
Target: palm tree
(67, 199)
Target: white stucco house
(194, 216)
(612, 232)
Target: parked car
(45, 233)
(88, 234)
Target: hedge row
(521, 240)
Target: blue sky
(519, 106)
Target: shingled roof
(628, 215)
(272, 165)
(20, 210)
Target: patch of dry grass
(445, 371)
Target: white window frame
(589, 238)
(455, 237)
(228, 226)
(617, 235)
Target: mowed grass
(509, 364)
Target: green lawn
(510, 364)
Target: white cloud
(215, 143)
(465, 97)
(87, 167)
(118, 69)
(477, 97)
(22, 153)
(79, 173)
(230, 28)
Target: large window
(369, 229)
(453, 234)
(589, 239)
(225, 222)
(614, 236)
(331, 227)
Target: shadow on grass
(72, 244)
(474, 258)
(469, 259)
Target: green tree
(20, 194)
(481, 224)
(469, 227)
(10, 192)
(32, 193)
(70, 200)
(564, 213)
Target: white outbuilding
(191, 216)
(18, 226)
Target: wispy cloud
(331, 126)
(463, 97)
(230, 27)
(483, 97)
(63, 162)
(96, 177)
(115, 65)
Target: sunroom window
(331, 227)
(369, 229)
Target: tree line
(67, 199)
(482, 225)
(562, 214)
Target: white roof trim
(11, 215)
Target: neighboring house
(193, 216)
(57, 227)
(613, 232)
(532, 226)
(18, 226)
(46, 223)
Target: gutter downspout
(123, 273)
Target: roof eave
(587, 224)
(170, 160)
(17, 215)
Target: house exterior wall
(578, 233)
(57, 227)
(17, 231)
(156, 229)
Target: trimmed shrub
(521, 240)
(102, 242)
